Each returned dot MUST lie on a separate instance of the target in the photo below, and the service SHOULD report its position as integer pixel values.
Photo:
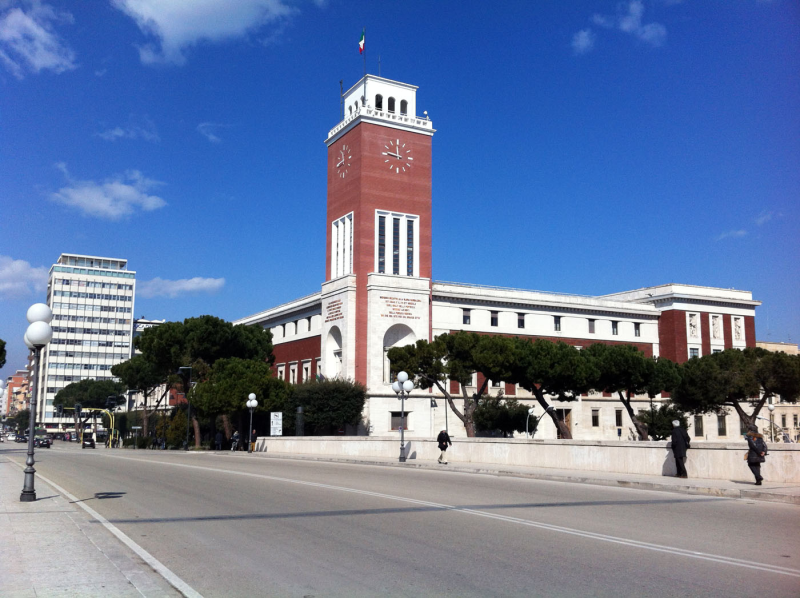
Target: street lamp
(188, 404)
(38, 334)
(251, 405)
(771, 422)
(402, 386)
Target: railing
(424, 123)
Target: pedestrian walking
(253, 442)
(234, 440)
(680, 444)
(218, 440)
(757, 453)
(444, 441)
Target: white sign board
(276, 423)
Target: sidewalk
(51, 547)
(741, 488)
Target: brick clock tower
(377, 292)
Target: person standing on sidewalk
(444, 441)
(218, 440)
(680, 444)
(757, 453)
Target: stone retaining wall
(709, 460)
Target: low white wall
(709, 460)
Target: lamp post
(37, 336)
(402, 386)
(771, 422)
(188, 404)
(251, 405)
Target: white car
(12, 436)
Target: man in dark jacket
(444, 441)
(680, 444)
(757, 453)
(218, 440)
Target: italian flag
(361, 42)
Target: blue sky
(582, 147)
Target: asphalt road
(238, 525)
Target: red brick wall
(750, 331)
(705, 334)
(300, 350)
(727, 331)
(672, 335)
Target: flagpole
(364, 99)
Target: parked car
(42, 442)
(21, 438)
(88, 440)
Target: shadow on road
(100, 496)
(388, 511)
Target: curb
(759, 495)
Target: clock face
(343, 160)
(398, 156)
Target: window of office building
(465, 316)
(557, 323)
(722, 426)
(397, 420)
(783, 420)
(595, 418)
(520, 320)
(794, 420)
(694, 352)
(614, 328)
(591, 326)
(618, 418)
(637, 330)
(495, 316)
(698, 426)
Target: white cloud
(18, 278)
(158, 287)
(113, 199)
(763, 218)
(209, 131)
(731, 234)
(583, 41)
(29, 43)
(629, 20)
(137, 128)
(178, 24)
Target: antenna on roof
(341, 96)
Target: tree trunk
(226, 423)
(196, 426)
(560, 424)
(748, 420)
(641, 428)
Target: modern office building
(379, 292)
(92, 299)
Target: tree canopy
(502, 414)
(329, 404)
(2, 352)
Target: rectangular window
(520, 320)
(495, 383)
(614, 328)
(395, 246)
(397, 421)
(465, 316)
(410, 248)
(382, 244)
(591, 326)
(306, 372)
(722, 426)
(794, 419)
(557, 323)
(783, 420)
(698, 426)
(637, 330)
(716, 350)
(494, 318)
(618, 418)
(595, 418)
(694, 352)
(293, 374)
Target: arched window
(391, 104)
(379, 102)
(403, 107)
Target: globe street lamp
(771, 422)
(38, 334)
(251, 405)
(402, 386)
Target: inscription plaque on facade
(333, 311)
(402, 308)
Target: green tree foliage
(498, 413)
(21, 420)
(2, 352)
(90, 394)
(175, 429)
(659, 420)
(230, 381)
(328, 405)
(140, 373)
(733, 378)
(625, 371)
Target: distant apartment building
(16, 398)
(92, 299)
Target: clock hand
(339, 164)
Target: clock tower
(378, 262)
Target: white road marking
(767, 568)
(148, 558)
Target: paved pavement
(52, 547)
(240, 525)
(739, 488)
